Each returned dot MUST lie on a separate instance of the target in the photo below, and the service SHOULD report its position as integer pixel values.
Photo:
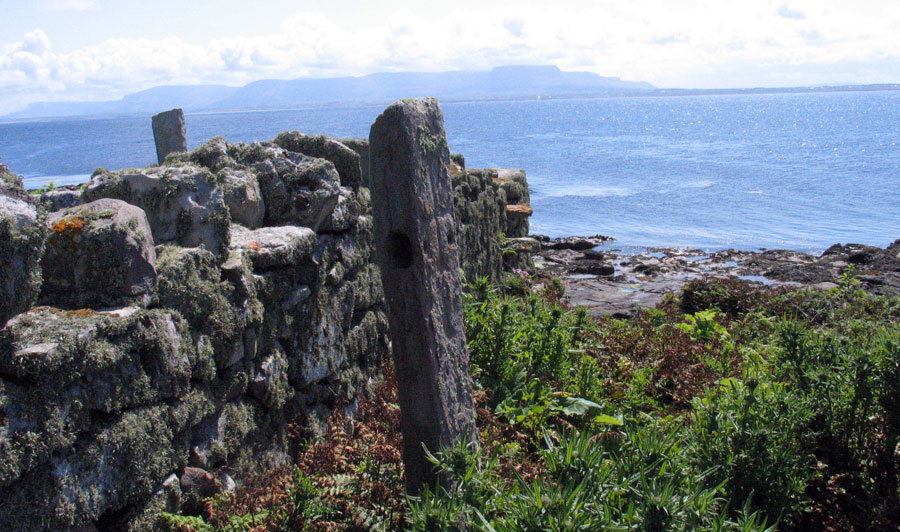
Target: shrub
(751, 435)
(731, 296)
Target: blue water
(798, 171)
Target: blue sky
(52, 50)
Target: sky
(64, 50)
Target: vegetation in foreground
(730, 407)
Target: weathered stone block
(361, 147)
(275, 247)
(344, 214)
(243, 197)
(479, 212)
(61, 198)
(72, 366)
(345, 160)
(105, 471)
(517, 220)
(519, 252)
(417, 251)
(99, 254)
(190, 282)
(22, 234)
(184, 204)
(297, 189)
(169, 132)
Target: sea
(744, 171)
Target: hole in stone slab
(451, 237)
(400, 250)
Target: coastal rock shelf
(188, 313)
(607, 281)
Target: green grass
(730, 407)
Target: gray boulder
(10, 181)
(243, 197)
(297, 189)
(361, 147)
(345, 160)
(22, 234)
(346, 212)
(61, 198)
(213, 154)
(514, 182)
(275, 247)
(184, 204)
(99, 254)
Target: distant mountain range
(509, 82)
(501, 83)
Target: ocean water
(796, 171)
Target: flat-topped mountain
(499, 83)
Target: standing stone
(416, 248)
(169, 133)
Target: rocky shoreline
(610, 281)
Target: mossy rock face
(87, 423)
(213, 155)
(514, 182)
(191, 283)
(275, 247)
(479, 206)
(184, 204)
(298, 189)
(22, 236)
(348, 209)
(99, 255)
(107, 470)
(61, 198)
(10, 181)
(243, 197)
(344, 159)
(361, 147)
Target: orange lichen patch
(455, 169)
(70, 225)
(500, 181)
(519, 209)
(81, 313)
(78, 313)
(253, 245)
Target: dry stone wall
(184, 315)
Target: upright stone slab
(169, 133)
(416, 248)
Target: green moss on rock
(190, 282)
(22, 237)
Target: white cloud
(704, 43)
(72, 5)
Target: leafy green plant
(638, 478)
(753, 433)
(703, 325)
(46, 188)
